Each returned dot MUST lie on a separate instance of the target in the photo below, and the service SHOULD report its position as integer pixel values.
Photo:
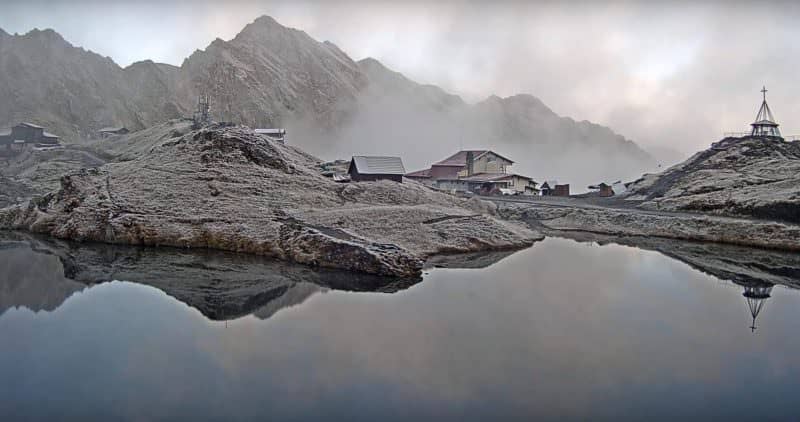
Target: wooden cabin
(27, 134)
(372, 168)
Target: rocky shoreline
(738, 264)
(740, 191)
(221, 285)
(554, 220)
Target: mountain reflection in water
(584, 328)
(221, 285)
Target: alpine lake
(580, 328)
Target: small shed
(552, 188)
(112, 131)
(561, 190)
(603, 189)
(371, 168)
(276, 134)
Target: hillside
(749, 177)
(270, 75)
(74, 92)
(227, 188)
(740, 191)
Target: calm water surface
(562, 330)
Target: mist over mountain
(333, 107)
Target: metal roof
(30, 125)
(111, 129)
(764, 116)
(486, 177)
(378, 165)
(764, 123)
(489, 177)
(460, 158)
(270, 131)
(49, 135)
(420, 173)
(619, 188)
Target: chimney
(470, 163)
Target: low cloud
(665, 74)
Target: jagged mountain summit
(270, 75)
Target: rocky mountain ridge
(270, 75)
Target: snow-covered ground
(747, 177)
(229, 188)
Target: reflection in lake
(221, 285)
(757, 295)
(592, 329)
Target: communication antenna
(202, 116)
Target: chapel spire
(764, 125)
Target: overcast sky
(666, 74)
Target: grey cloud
(665, 74)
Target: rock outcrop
(228, 188)
(633, 222)
(756, 177)
(34, 172)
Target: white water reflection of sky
(562, 329)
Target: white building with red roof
(480, 171)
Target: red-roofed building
(474, 170)
(420, 175)
(463, 163)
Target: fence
(743, 134)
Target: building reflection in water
(756, 294)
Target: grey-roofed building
(27, 133)
(274, 134)
(371, 168)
